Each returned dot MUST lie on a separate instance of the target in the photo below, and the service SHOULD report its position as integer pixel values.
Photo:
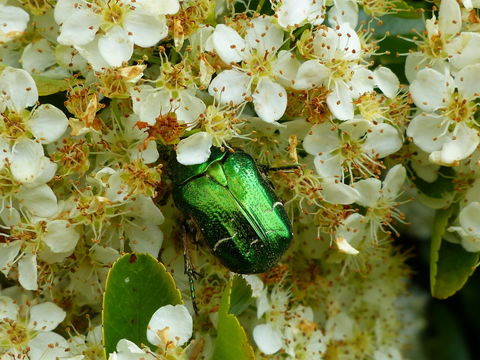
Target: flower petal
(311, 74)
(362, 81)
(387, 81)
(189, 109)
(339, 193)
(91, 53)
(48, 123)
(469, 218)
(468, 81)
(344, 11)
(228, 44)
(38, 56)
(40, 201)
(115, 46)
(429, 89)
(195, 149)
(27, 272)
(26, 160)
(285, 68)
(13, 22)
(449, 17)
(230, 86)
(345, 247)
(48, 346)
(8, 308)
(269, 100)
(348, 42)
(463, 49)
(369, 190)
(339, 101)
(79, 28)
(8, 252)
(46, 316)
(60, 236)
(329, 167)
(382, 140)
(268, 340)
(427, 131)
(17, 89)
(393, 182)
(175, 320)
(292, 12)
(144, 237)
(144, 29)
(321, 139)
(461, 144)
(264, 36)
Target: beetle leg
(189, 269)
(282, 168)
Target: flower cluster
(99, 97)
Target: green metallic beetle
(236, 210)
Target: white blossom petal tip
(195, 149)
(170, 323)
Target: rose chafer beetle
(235, 208)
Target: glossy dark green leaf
(231, 337)
(450, 264)
(454, 267)
(137, 285)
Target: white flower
(447, 128)
(149, 103)
(90, 344)
(337, 67)
(26, 330)
(105, 34)
(436, 47)
(13, 22)
(171, 324)
(365, 143)
(19, 91)
(255, 77)
(380, 199)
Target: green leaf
(231, 337)
(137, 285)
(450, 264)
(48, 86)
(241, 295)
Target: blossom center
(13, 334)
(114, 12)
(460, 109)
(258, 64)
